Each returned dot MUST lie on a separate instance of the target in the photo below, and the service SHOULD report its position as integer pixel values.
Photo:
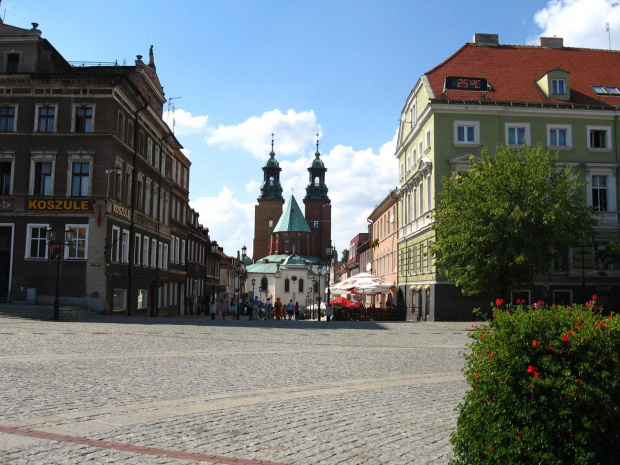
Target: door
(6, 235)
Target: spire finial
(272, 152)
(317, 141)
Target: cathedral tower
(269, 209)
(318, 206)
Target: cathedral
(290, 246)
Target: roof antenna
(608, 34)
(170, 104)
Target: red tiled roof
(512, 71)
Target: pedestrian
(255, 304)
(233, 308)
(290, 309)
(224, 307)
(296, 311)
(268, 308)
(278, 307)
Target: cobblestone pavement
(183, 390)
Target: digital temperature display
(466, 83)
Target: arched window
(263, 283)
(301, 285)
(287, 285)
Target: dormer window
(558, 87)
(606, 90)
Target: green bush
(545, 388)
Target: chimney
(489, 40)
(551, 42)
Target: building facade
(384, 245)
(290, 246)
(485, 94)
(84, 148)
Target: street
(183, 390)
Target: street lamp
(214, 252)
(329, 251)
(50, 235)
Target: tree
(610, 255)
(345, 255)
(507, 218)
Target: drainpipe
(132, 201)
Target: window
(517, 134)
(287, 285)
(143, 296)
(182, 252)
(7, 119)
(77, 249)
(145, 251)
(149, 150)
(153, 253)
(46, 118)
(12, 62)
(6, 170)
(119, 300)
(599, 193)
(599, 137)
(36, 243)
(42, 178)
(155, 201)
(466, 132)
(125, 246)
(137, 249)
(165, 257)
(139, 195)
(83, 116)
(558, 87)
(559, 135)
(301, 285)
(115, 245)
(147, 198)
(270, 223)
(80, 179)
(428, 139)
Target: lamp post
(329, 251)
(50, 235)
(214, 252)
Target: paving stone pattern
(183, 390)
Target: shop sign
(121, 211)
(58, 205)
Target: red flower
(491, 354)
(534, 342)
(536, 375)
(572, 331)
(499, 302)
(476, 376)
(601, 324)
(580, 381)
(531, 369)
(482, 336)
(540, 303)
(594, 297)
(565, 337)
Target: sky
(237, 71)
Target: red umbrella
(344, 302)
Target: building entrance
(6, 234)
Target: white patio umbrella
(364, 283)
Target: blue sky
(240, 70)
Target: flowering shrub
(545, 388)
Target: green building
(485, 94)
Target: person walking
(255, 304)
(296, 311)
(224, 307)
(290, 309)
(268, 308)
(233, 308)
(278, 306)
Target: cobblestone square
(183, 390)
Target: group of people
(258, 310)
(275, 310)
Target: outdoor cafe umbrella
(363, 283)
(344, 302)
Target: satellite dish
(368, 267)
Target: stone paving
(183, 390)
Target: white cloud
(230, 221)
(358, 180)
(293, 131)
(184, 123)
(581, 23)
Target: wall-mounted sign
(58, 205)
(121, 211)
(465, 83)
